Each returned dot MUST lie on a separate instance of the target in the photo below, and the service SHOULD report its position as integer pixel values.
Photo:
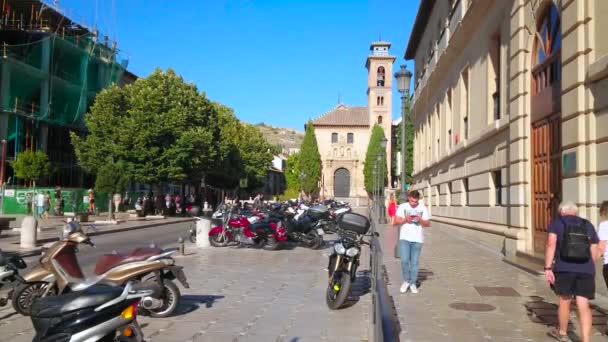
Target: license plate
(320, 231)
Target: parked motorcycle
(10, 264)
(59, 273)
(303, 228)
(255, 231)
(344, 260)
(95, 314)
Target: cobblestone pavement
(249, 295)
(468, 294)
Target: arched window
(380, 120)
(350, 138)
(547, 50)
(382, 100)
(334, 138)
(380, 76)
(378, 101)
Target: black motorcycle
(344, 260)
(304, 228)
(95, 314)
(10, 264)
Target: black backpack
(575, 246)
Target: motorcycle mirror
(376, 234)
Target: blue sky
(275, 61)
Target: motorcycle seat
(54, 306)
(108, 261)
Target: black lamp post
(381, 159)
(403, 77)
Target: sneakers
(413, 288)
(404, 287)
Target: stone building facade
(343, 133)
(511, 115)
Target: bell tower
(379, 92)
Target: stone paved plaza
(467, 293)
(249, 295)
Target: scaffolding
(51, 68)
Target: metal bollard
(182, 247)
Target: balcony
(453, 22)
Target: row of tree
(161, 129)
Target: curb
(38, 250)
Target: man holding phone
(412, 216)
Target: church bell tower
(379, 92)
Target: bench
(5, 223)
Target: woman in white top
(603, 235)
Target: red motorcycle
(256, 231)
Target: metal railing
(385, 322)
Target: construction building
(51, 68)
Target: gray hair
(568, 206)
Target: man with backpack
(569, 267)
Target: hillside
(286, 137)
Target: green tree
(160, 127)
(228, 171)
(310, 162)
(31, 166)
(292, 171)
(112, 178)
(374, 149)
(256, 154)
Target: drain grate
(496, 291)
(476, 307)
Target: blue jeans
(409, 255)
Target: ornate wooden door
(341, 183)
(546, 176)
(546, 125)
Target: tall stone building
(343, 133)
(511, 115)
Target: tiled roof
(344, 115)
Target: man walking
(569, 267)
(413, 216)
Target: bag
(575, 246)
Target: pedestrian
(58, 202)
(47, 204)
(40, 204)
(413, 217)
(603, 235)
(571, 248)
(92, 208)
(392, 207)
(126, 201)
(117, 199)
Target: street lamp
(383, 143)
(403, 77)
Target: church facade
(343, 133)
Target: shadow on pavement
(542, 312)
(361, 287)
(190, 303)
(424, 275)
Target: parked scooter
(10, 264)
(95, 314)
(344, 260)
(59, 272)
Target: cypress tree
(310, 162)
(374, 149)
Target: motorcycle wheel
(25, 294)
(271, 244)
(317, 240)
(217, 240)
(171, 297)
(335, 298)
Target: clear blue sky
(275, 61)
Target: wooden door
(546, 176)
(342, 183)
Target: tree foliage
(374, 149)
(112, 178)
(160, 128)
(292, 172)
(409, 156)
(310, 162)
(31, 166)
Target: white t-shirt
(412, 231)
(603, 235)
